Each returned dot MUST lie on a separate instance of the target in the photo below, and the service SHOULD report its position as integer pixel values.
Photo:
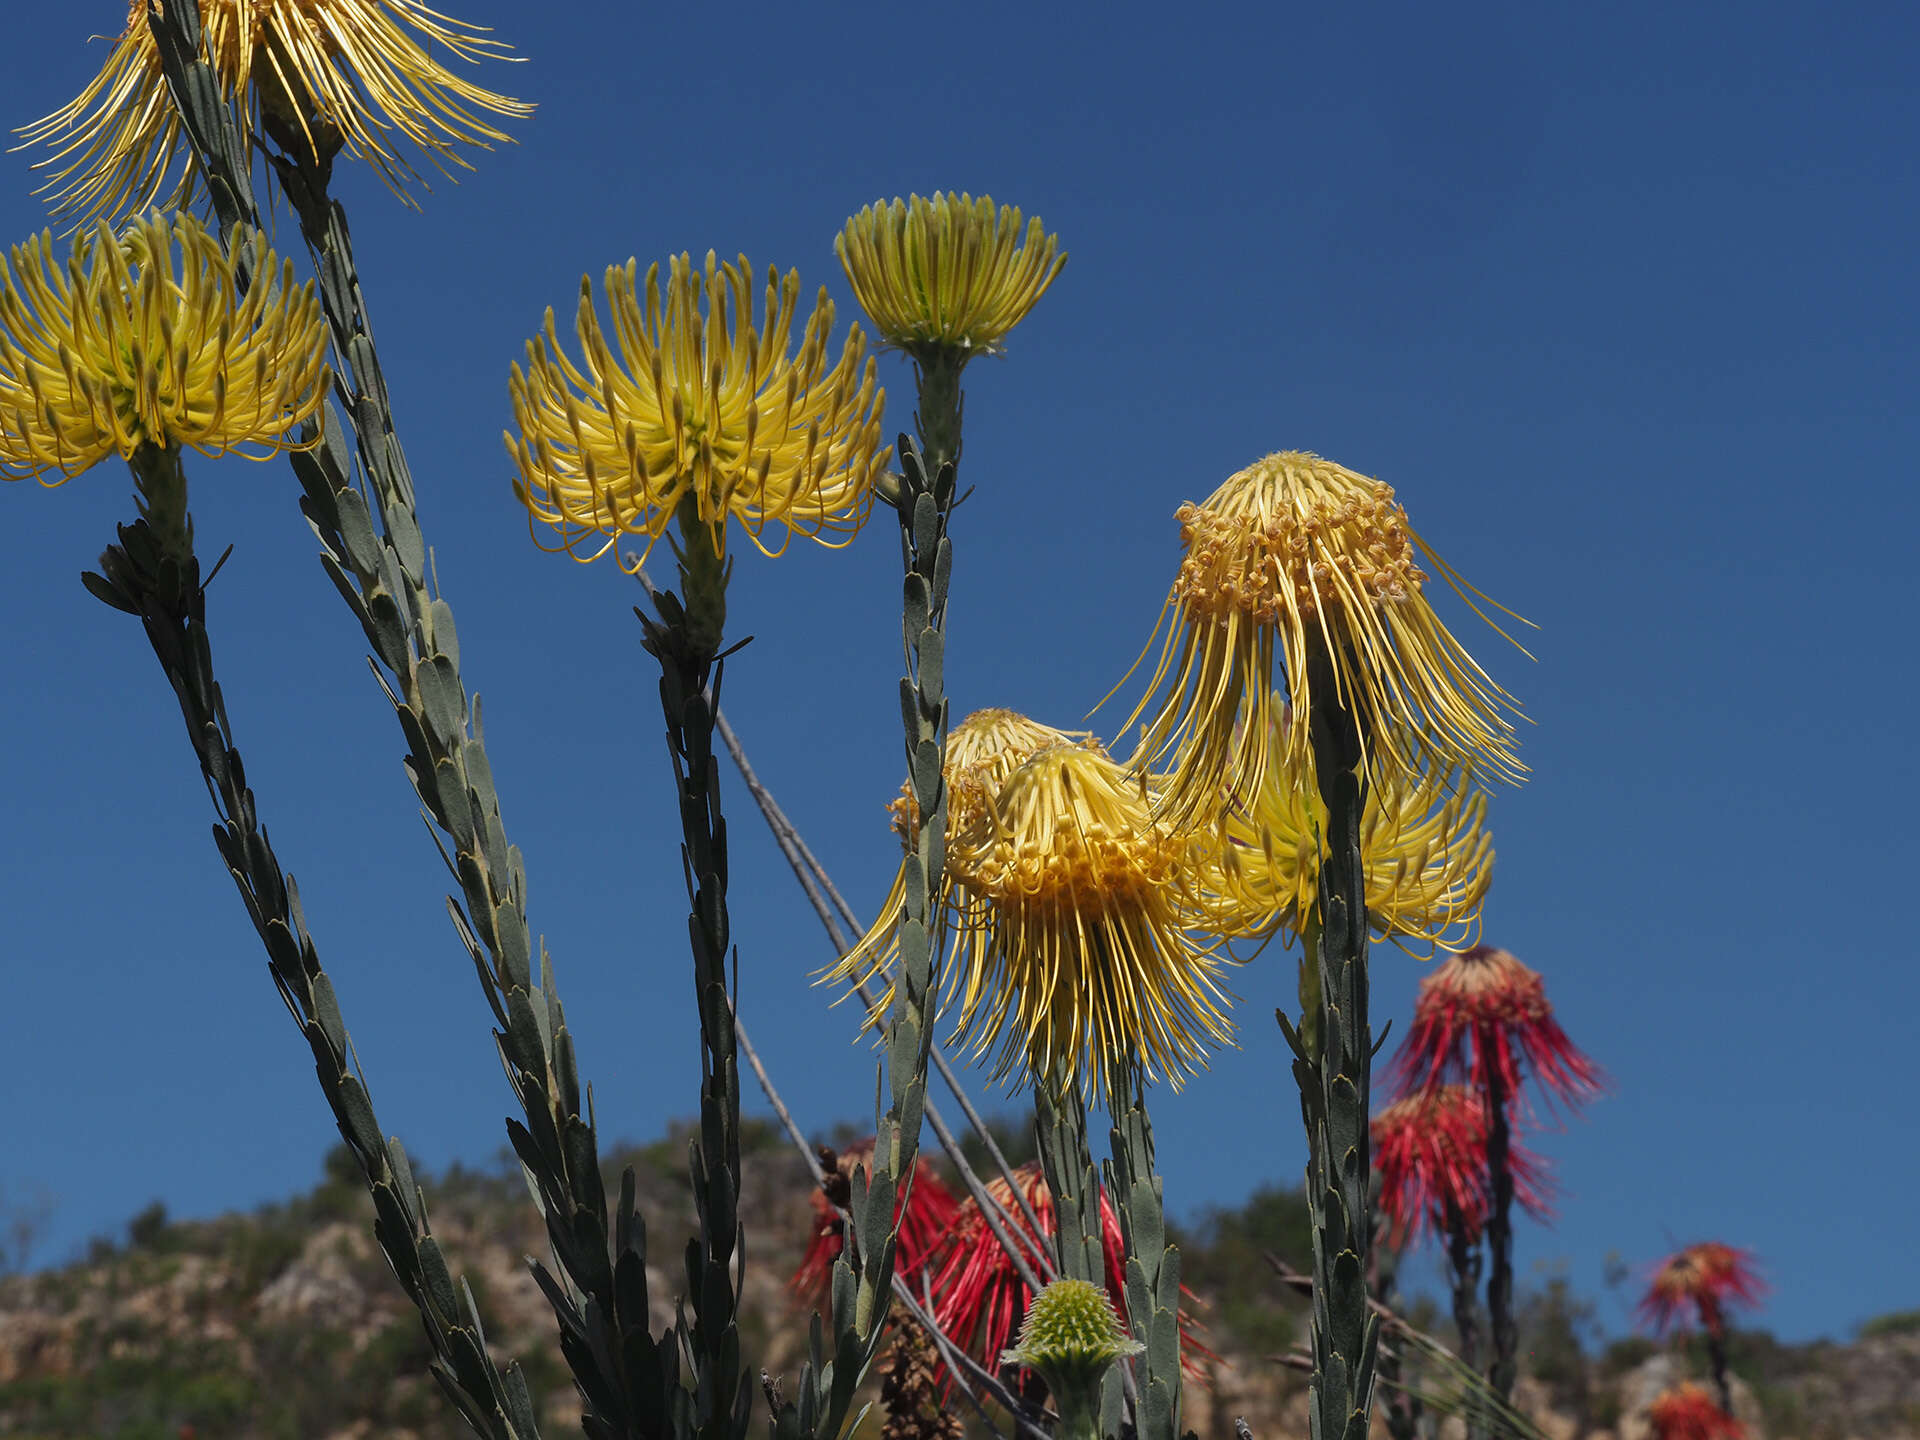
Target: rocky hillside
(285, 1323)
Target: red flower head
(929, 1213)
(1479, 1015)
(1430, 1150)
(1687, 1412)
(1702, 1278)
(979, 1297)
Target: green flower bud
(1071, 1338)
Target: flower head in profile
(1424, 846)
(1430, 1151)
(1688, 1412)
(924, 1212)
(1483, 1017)
(979, 1296)
(357, 69)
(1074, 959)
(131, 344)
(691, 407)
(1701, 1280)
(1302, 562)
(948, 273)
(982, 751)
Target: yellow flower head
(1296, 554)
(1065, 900)
(1074, 950)
(946, 273)
(1424, 847)
(357, 66)
(701, 404)
(982, 751)
(124, 347)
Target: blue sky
(1621, 301)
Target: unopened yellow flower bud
(948, 273)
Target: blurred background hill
(284, 1322)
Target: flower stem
(1403, 1406)
(941, 403)
(1334, 1082)
(160, 494)
(686, 641)
(1717, 1360)
(1506, 1330)
(382, 575)
(1152, 1266)
(152, 573)
(1463, 1263)
(925, 504)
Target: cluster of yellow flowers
(1091, 901)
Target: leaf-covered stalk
(926, 500)
(152, 573)
(383, 577)
(686, 641)
(863, 1275)
(1152, 1266)
(1333, 1074)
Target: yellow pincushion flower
(356, 66)
(1066, 903)
(1424, 848)
(697, 407)
(946, 273)
(1075, 954)
(125, 347)
(1296, 558)
(982, 751)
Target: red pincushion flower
(1478, 1016)
(979, 1297)
(929, 1213)
(1430, 1150)
(1701, 1279)
(1687, 1412)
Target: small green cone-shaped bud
(1071, 1338)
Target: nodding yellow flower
(982, 751)
(121, 348)
(1066, 900)
(1296, 555)
(697, 405)
(1074, 953)
(1424, 847)
(946, 273)
(357, 67)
